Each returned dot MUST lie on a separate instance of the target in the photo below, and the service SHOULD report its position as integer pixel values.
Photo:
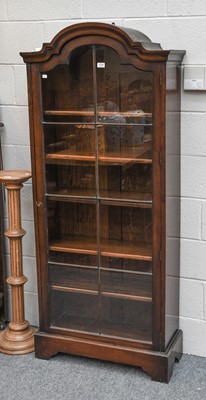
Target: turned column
(18, 337)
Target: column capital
(14, 176)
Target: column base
(17, 339)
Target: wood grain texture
(18, 338)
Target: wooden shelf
(121, 157)
(126, 331)
(134, 156)
(82, 113)
(72, 289)
(109, 248)
(140, 154)
(138, 199)
(123, 296)
(76, 324)
(61, 156)
(75, 245)
(68, 194)
(138, 251)
(114, 283)
(80, 324)
(145, 198)
(99, 123)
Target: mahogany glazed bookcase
(104, 105)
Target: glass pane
(129, 284)
(67, 90)
(126, 318)
(126, 232)
(76, 311)
(72, 227)
(69, 142)
(126, 264)
(70, 160)
(124, 93)
(73, 258)
(133, 141)
(76, 179)
(129, 182)
(74, 277)
(119, 188)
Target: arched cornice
(146, 51)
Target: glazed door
(98, 144)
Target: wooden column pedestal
(18, 337)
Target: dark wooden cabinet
(104, 109)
